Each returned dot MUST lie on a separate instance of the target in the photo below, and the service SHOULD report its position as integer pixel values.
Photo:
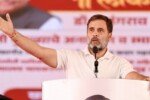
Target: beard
(95, 42)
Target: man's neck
(100, 53)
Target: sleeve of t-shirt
(61, 58)
(126, 68)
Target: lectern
(81, 89)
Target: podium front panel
(81, 89)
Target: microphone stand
(95, 50)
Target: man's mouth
(94, 40)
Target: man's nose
(95, 34)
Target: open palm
(6, 25)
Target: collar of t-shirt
(107, 55)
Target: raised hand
(7, 26)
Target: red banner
(86, 5)
(24, 94)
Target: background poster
(23, 74)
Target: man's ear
(110, 35)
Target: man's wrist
(14, 36)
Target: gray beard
(98, 46)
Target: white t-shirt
(80, 64)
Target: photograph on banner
(25, 16)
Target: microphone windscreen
(95, 49)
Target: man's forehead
(96, 27)
(97, 22)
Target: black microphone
(95, 50)
(96, 66)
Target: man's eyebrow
(91, 27)
(101, 28)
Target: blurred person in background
(2, 97)
(97, 97)
(25, 16)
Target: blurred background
(62, 24)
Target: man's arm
(47, 55)
(137, 76)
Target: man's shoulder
(120, 59)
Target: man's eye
(91, 29)
(100, 30)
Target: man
(25, 16)
(80, 64)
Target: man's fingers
(8, 18)
(1, 22)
